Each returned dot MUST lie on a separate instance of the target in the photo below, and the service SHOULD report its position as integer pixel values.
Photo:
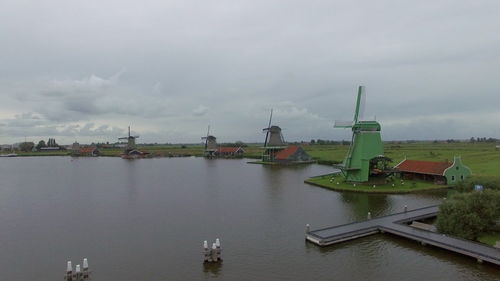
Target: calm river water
(146, 220)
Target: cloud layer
(170, 68)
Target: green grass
(490, 238)
(48, 153)
(482, 158)
(406, 186)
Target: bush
(486, 182)
(467, 215)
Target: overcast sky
(86, 69)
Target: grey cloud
(227, 63)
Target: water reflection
(362, 203)
(212, 269)
(259, 212)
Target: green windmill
(364, 159)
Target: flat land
(482, 158)
(336, 183)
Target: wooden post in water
(86, 272)
(69, 272)
(213, 254)
(78, 274)
(218, 250)
(206, 251)
(369, 216)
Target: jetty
(401, 224)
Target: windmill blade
(342, 124)
(268, 128)
(206, 138)
(360, 104)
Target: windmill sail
(360, 104)
(268, 128)
(342, 124)
(206, 138)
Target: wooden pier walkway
(397, 224)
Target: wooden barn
(437, 172)
(229, 152)
(292, 154)
(89, 151)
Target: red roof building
(87, 151)
(292, 153)
(423, 167)
(229, 152)
(439, 172)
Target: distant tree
(40, 144)
(240, 144)
(26, 146)
(312, 141)
(472, 140)
(468, 215)
(52, 143)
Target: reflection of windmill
(366, 149)
(130, 142)
(274, 141)
(210, 144)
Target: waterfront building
(437, 172)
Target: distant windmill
(210, 144)
(366, 147)
(130, 142)
(273, 142)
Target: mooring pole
(206, 251)
(218, 249)
(86, 272)
(69, 272)
(308, 228)
(213, 252)
(369, 216)
(78, 273)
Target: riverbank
(482, 158)
(337, 183)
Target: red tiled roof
(423, 167)
(287, 152)
(228, 149)
(87, 149)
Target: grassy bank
(490, 238)
(482, 158)
(335, 182)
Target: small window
(457, 168)
(452, 178)
(462, 177)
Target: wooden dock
(397, 224)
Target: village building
(292, 154)
(229, 152)
(89, 151)
(438, 172)
(50, 148)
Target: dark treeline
(328, 142)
